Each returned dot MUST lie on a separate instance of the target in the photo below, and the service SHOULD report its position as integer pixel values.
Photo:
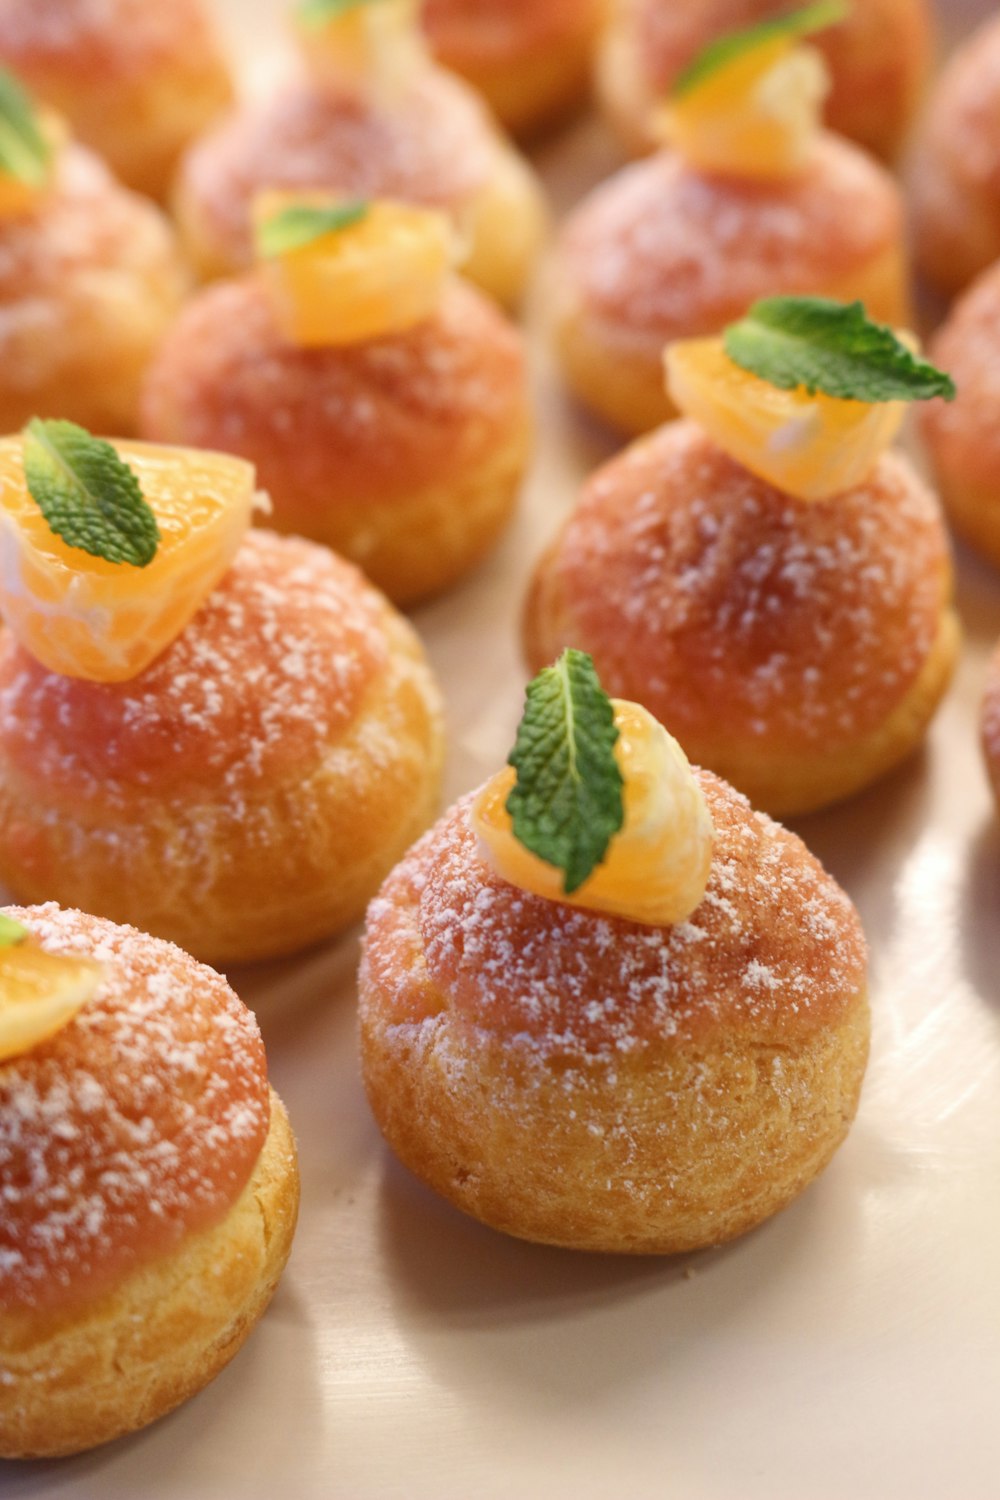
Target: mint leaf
(831, 347)
(24, 151)
(567, 804)
(318, 12)
(88, 495)
(302, 223)
(735, 44)
(11, 932)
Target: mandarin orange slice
(40, 993)
(84, 617)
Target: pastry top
(435, 145)
(385, 415)
(962, 126)
(662, 249)
(773, 954)
(968, 347)
(101, 41)
(501, 30)
(798, 625)
(271, 673)
(137, 1124)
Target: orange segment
(40, 993)
(381, 275)
(84, 617)
(809, 446)
(656, 868)
(378, 41)
(755, 117)
(20, 197)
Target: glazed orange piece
(40, 993)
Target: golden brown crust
(89, 281)
(404, 453)
(588, 1082)
(956, 191)
(799, 647)
(437, 146)
(660, 253)
(879, 59)
(137, 81)
(962, 436)
(75, 1380)
(247, 793)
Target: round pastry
(241, 786)
(755, 200)
(423, 137)
(401, 439)
(149, 1183)
(576, 1075)
(991, 723)
(531, 60)
(879, 56)
(90, 277)
(795, 622)
(962, 439)
(956, 189)
(137, 81)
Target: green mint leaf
(302, 223)
(831, 347)
(316, 13)
(11, 932)
(567, 804)
(726, 49)
(24, 151)
(89, 496)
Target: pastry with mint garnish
(748, 197)
(604, 1004)
(367, 115)
(768, 575)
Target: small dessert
(148, 1174)
(956, 197)
(990, 723)
(90, 277)
(530, 58)
(606, 1005)
(879, 55)
(382, 399)
(963, 439)
(224, 738)
(371, 118)
(138, 81)
(751, 199)
(764, 572)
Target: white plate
(847, 1350)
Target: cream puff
(90, 277)
(990, 724)
(148, 1175)
(585, 1071)
(752, 200)
(382, 399)
(956, 181)
(879, 55)
(962, 439)
(768, 578)
(138, 81)
(531, 59)
(372, 118)
(227, 745)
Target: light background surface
(849, 1348)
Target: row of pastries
(605, 1003)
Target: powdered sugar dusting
(138, 1123)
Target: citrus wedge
(755, 117)
(84, 617)
(380, 275)
(656, 868)
(811, 446)
(375, 41)
(40, 993)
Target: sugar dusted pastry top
(659, 247)
(137, 1124)
(499, 28)
(773, 953)
(272, 670)
(98, 39)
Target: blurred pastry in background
(990, 723)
